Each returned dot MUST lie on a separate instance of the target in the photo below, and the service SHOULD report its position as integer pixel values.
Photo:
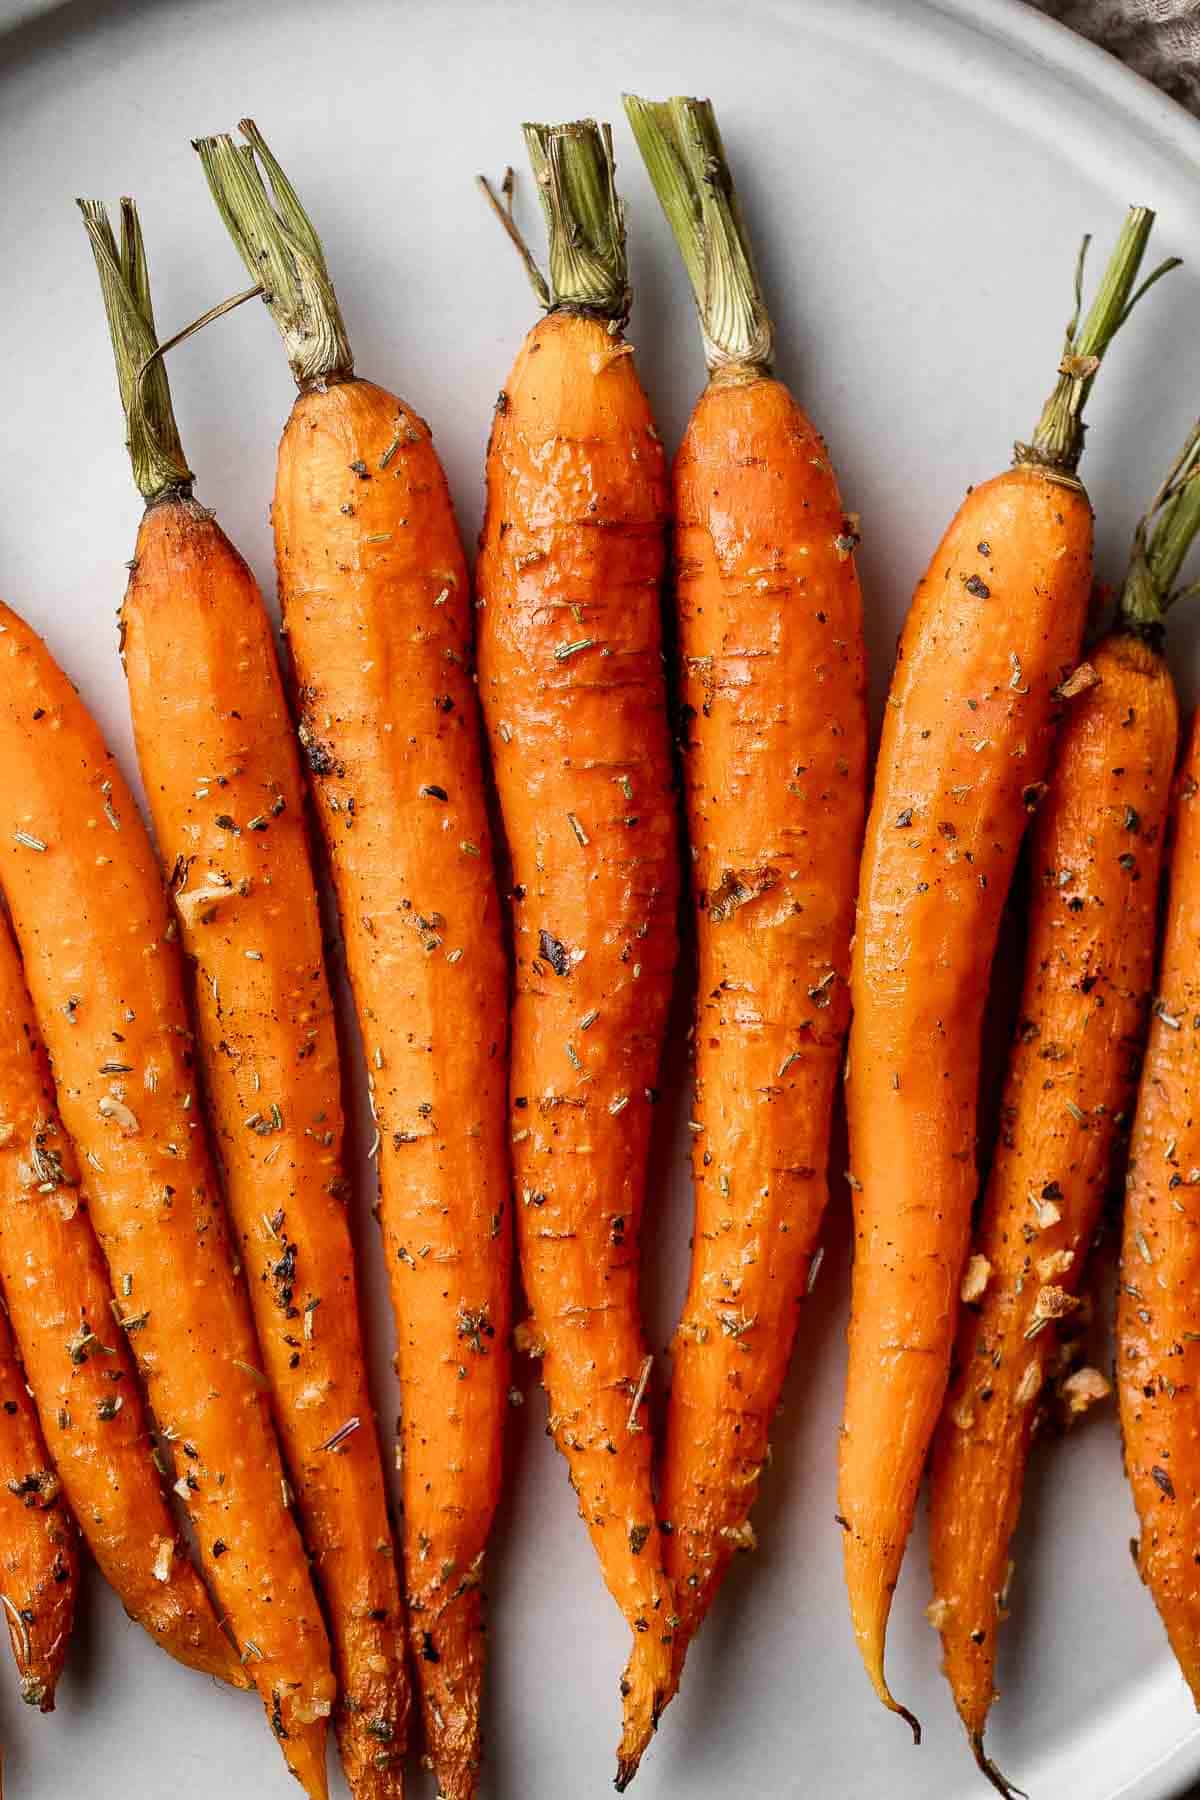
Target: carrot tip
(988, 1768)
(910, 1719)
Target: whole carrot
(74, 1337)
(1095, 858)
(772, 682)
(377, 608)
(220, 765)
(1158, 1307)
(39, 1553)
(994, 627)
(106, 976)
(570, 666)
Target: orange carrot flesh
(106, 977)
(219, 760)
(994, 625)
(73, 1335)
(39, 1554)
(377, 608)
(772, 679)
(571, 680)
(1096, 856)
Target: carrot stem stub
(572, 687)
(681, 145)
(772, 683)
(995, 624)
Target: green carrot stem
(1161, 542)
(681, 147)
(155, 450)
(279, 246)
(573, 165)
(1058, 440)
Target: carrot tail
(646, 1686)
(451, 1688)
(988, 1769)
(871, 1581)
(183, 1622)
(303, 1746)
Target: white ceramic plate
(917, 178)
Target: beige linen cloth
(1158, 38)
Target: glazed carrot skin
(91, 917)
(39, 1553)
(377, 608)
(772, 686)
(74, 1341)
(1158, 1307)
(1095, 861)
(994, 626)
(775, 778)
(218, 757)
(571, 679)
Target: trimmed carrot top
(1058, 438)
(681, 144)
(278, 245)
(1161, 542)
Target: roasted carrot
(99, 943)
(39, 1552)
(1095, 862)
(72, 1332)
(772, 683)
(377, 608)
(222, 774)
(1158, 1307)
(570, 668)
(994, 627)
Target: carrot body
(1158, 1309)
(39, 1554)
(572, 688)
(1096, 856)
(218, 756)
(377, 609)
(76, 1358)
(967, 731)
(775, 738)
(91, 917)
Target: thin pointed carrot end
(988, 1769)
(304, 1752)
(879, 1683)
(646, 1686)
(910, 1719)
